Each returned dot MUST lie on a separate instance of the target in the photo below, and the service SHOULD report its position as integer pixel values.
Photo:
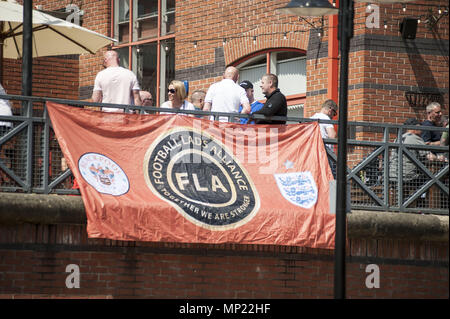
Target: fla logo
(201, 179)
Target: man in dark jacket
(276, 102)
(434, 114)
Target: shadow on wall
(426, 83)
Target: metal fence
(32, 162)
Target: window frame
(293, 99)
(160, 40)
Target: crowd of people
(118, 85)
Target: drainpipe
(333, 57)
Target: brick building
(195, 40)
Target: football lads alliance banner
(178, 178)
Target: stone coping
(16, 208)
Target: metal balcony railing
(32, 162)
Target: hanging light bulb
(308, 8)
(254, 40)
(195, 44)
(404, 8)
(285, 36)
(440, 10)
(385, 24)
(224, 41)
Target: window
(290, 67)
(146, 42)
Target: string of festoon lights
(434, 14)
(253, 38)
(429, 18)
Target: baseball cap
(246, 84)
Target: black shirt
(430, 136)
(275, 106)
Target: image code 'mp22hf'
(198, 176)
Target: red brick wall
(55, 77)
(379, 74)
(33, 260)
(97, 17)
(388, 64)
(394, 66)
(62, 77)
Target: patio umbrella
(51, 36)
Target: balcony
(32, 162)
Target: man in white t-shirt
(5, 109)
(115, 84)
(327, 112)
(226, 95)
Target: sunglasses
(171, 91)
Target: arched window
(290, 67)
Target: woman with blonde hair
(177, 97)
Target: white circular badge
(103, 174)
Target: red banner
(177, 178)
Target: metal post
(27, 65)
(344, 34)
(27, 46)
(1, 51)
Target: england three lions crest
(298, 188)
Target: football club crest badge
(103, 174)
(298, 188)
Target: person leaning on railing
(5, 127)
(444, 140)
(5, 109)
(434, 114)
(411, 174)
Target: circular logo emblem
(103, 174)
(198, 176)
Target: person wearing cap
(410, 170)
(226, 95)
(255, 105)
